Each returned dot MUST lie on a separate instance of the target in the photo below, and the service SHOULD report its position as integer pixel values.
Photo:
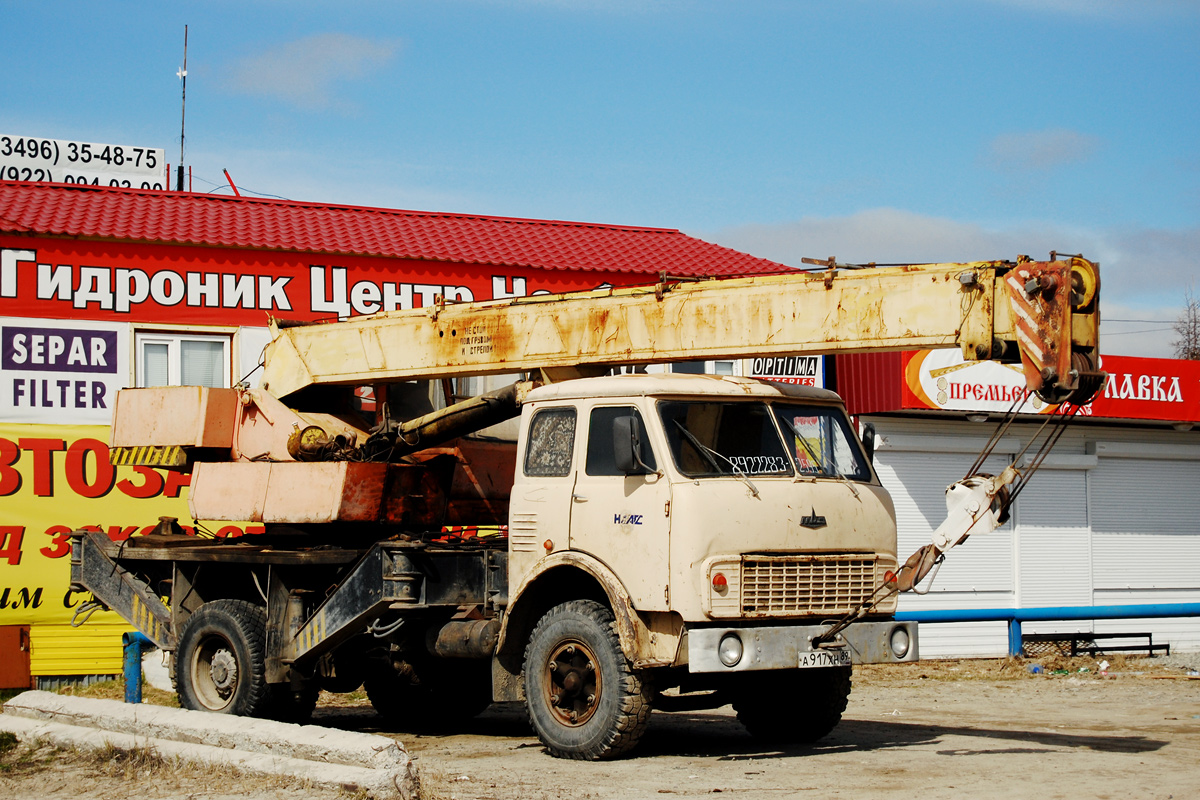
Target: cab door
(623, 520)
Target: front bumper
(782, 646)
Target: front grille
(814, 585)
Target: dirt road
(1047, 737)
(966, 729)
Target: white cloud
(1144, 272)
(1038, 151)
(305, 72)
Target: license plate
(825, 658)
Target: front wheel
(583, 698)
(796, 706)
(220, 663)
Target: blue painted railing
(135, 643)
(1015, 616)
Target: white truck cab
(728, 520)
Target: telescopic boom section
(1044, 314)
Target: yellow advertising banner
(55, 479)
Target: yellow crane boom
(1042, 313)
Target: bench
(1086, 643)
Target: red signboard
(1137, 388)
(191, 285)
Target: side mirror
(868, 441)
(627, 446)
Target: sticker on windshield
(807, 446)
(759, 465)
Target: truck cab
(723, 523)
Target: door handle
(582, 498)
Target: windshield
(710, 439)
(821, 442)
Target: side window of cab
(550, 443)
(601, 457)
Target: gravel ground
(936, 729)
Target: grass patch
(21, 758)
(115, 690)
(126, 763)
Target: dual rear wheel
(220, 666)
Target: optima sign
(799, 370)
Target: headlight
(900, 642)
(730, 649)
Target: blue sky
(890, 130)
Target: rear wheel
(792, 707)
(220, 664)
(583, 698)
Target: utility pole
(182, 74)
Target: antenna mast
(182, 74)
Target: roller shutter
(1146, 540)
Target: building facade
(1111, 518)
(102, 289)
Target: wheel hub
(573, 683)
(223, 671)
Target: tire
(583, 699)
(435, 695)
(220, 663)
(793, 707)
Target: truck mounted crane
(658, 540)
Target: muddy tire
(220, 664)
(793, 707)
(583, 698)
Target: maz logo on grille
(813, 520)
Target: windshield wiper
(811, 453)
(708, 454)
(834, 473)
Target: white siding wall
(1113, 519)
(980, 573)
(1147, 537)
(1054, 547)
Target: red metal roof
(133, 215)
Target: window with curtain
(169, 359)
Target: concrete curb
(344, 759)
